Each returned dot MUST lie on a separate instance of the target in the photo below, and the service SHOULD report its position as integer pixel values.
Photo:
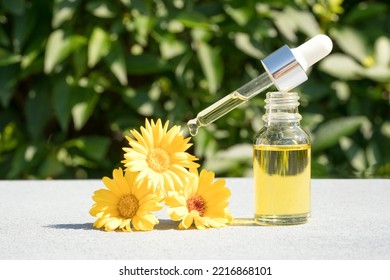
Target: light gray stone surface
(50, 220)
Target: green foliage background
(76, 75)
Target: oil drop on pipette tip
(193, 127)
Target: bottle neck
(282, 109)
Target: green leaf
(211, 64)
(16, 7)
(32, 59)
(101, 9)
(4, 40)
(341, 67)
(182, 68)
(145, 64)
(7, 58)
(117, 63)
(9, 133)
(171, 48)
(351, 42)
(127, 3)
(201, 35)
(329, 133)
(305, 20)
(59, 46)
(56, 49)
(93, 147)
(83, 102)
(80, 61)
(205, 144)
(29, 58)
(354, 153)
(98, 46)
(364, 11)
(8, 81)
(319, 170)
(286, 25)
(383, 170)
(342, 89)
(18, 164)
(37, 110)
(61, 103)
(193, 20)
(243, 43)
(23, 27)
(143, 25)
(51, 167)
(311, 120)
(140, 101)
(382, 51)
(290, 20)
(240, 15)
(64, 11)
(378, 73)
(236, 158)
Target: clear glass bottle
(281, 163)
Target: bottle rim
(282, 106)
(280, 100)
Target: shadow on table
(239, 222)
(162, 225)
(86, 226)
(166, 225)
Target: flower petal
(186, 222)
(112, 224)
(175, 200)
(150, 206)
(112, 186)
(177, 213)
(201, 223)
(156, 135)
(144, 223)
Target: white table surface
(48, 220)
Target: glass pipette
(229, 102)
(285, 68)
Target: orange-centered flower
(127, 202)
(203, 202)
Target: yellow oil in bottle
(282, 184)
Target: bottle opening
(282, 106)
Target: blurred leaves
(335, 65)
(329, 132)
(145, 64)
(76, 75)
(15, 7)
(98, 46)
(59, 47)
(211, 65)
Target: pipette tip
(193, 127)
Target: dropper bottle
(285, 68)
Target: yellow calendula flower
(203, 202)
(158, 155)
(127, 202)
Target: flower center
(196, 203)
(128, 206)
(158, 160)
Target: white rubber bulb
(313, 50)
